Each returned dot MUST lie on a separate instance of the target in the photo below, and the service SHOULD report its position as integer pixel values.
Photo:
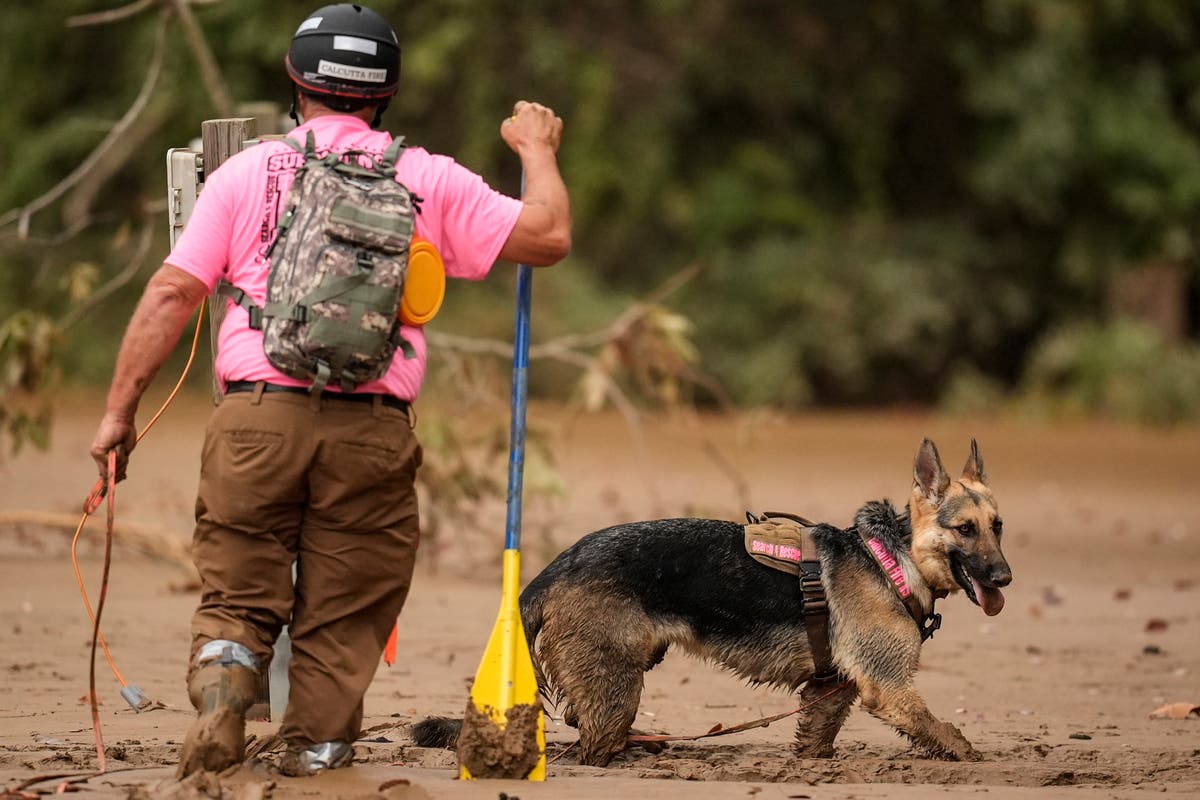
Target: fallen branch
(567, 349)
(152, 542)
(572, 349)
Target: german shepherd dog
(607, 609)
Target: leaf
(594, 388)
(80, 280)
(1176, 711)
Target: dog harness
(785, 542)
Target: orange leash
(106, 487)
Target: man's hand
(531, 125)
(118, 433)
(542, 235)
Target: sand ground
(1101, 626)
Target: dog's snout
(1000, 575)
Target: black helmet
(345, 50)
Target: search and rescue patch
(780, 544)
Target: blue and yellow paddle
(504, 734)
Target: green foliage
(886, 197)
(866, 314)
(1123, 370)
(27, 372)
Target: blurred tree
(879, 192)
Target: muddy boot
(299, 762)
(221, 689)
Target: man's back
(236, 219)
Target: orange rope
(95, 700)
(102, 488)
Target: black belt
(233, 387)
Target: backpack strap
(227, 289)
(292, 144)
(328, 289)
(392, 154)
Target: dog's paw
(970, 754)
(817, 750)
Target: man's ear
(929, 477)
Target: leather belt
(234, 387)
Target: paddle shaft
(506, 677)
(520, 398)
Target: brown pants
(328, 484)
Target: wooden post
(221, 139)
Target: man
(325, 480)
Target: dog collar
(927, 624)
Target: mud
(488, 750)
(1101, 626)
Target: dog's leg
(818, 724)
(603, 698)
(905, 710)
(595, 648)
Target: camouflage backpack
(337, 275)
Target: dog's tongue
(990, 600)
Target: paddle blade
(504, 734)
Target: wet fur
(608, 608)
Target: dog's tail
(533, 603)
(437, 732)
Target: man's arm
(169, 299)
(542, 235)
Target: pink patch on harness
(789, 553)
(772, 550)
(890, 566)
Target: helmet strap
(379, 109)
(292, 111)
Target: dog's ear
(929, 476)
(973, 471)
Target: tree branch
(124, 12)
(210, 71)
(113, 15)
(25, 213)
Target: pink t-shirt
(234, 222)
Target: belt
(233, 387)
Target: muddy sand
(1101, 625)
